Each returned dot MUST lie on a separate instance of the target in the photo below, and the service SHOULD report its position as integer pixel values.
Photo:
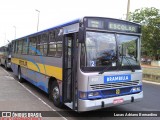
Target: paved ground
(15, 97)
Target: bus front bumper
(87, 105)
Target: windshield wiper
(106, 68)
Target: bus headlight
(94, 94)
(136, 89)
(140, 82)
(90, 95)
(82, 95)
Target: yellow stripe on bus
(41, 68)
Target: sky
(19, 18)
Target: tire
(55, 94)
(6, 66)
(20, 79)
(0, 63)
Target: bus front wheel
(55, 94)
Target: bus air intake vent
(114, 85)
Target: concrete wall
(155, 63)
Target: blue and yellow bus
(86, 64)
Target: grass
(152, 71)
(151, 74)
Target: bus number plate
(118, 101)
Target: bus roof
(58, 26)
(74, 21)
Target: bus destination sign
(95, 23)
(122, 27)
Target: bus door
(69, 69)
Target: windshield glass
(128, 49)
(110, 51)
(100, 49)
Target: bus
(86, 64)
(5, 58)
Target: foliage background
(149, 18)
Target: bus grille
(114, 85)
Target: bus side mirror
(81, 35)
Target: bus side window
(39, 48)
(42, 44)
(52, 49)
(52, 44)
(32, 45)
(59, 39)
(19, 48)
(45, 43)
(15, 48)
(51, 36)
(59, 50)
(17, 42)
(25, 46)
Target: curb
(155, 83)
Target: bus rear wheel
(20, 79)
(6, 65)
(55, 94)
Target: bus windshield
(101, 49)
(128, 49)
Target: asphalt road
(151, 102)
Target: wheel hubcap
(55, 93)
(19, 75)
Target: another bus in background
(5, 58)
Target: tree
(149, 18)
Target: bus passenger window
(32, 45)
(42, 44)
(52, 49)
(25, 47)
(13, 46)
(39, 49)
(20, 43)
(59, 50)
(51, 36)
(45, 47)
(52, 44)
(16, 47)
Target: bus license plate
(118, 101)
